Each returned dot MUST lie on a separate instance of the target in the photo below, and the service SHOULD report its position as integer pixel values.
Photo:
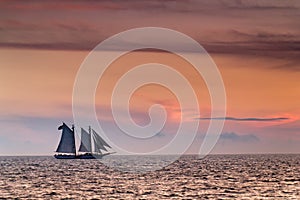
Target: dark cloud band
(244, 119)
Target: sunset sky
(255, 44)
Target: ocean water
(214, 177)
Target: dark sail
(85, 145)
(67, 141)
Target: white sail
(99, 143)
(85, 145)
(67, 141)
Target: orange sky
(43, 90)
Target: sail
(67, 141)
(99, 143)
(97, 137)
(98, 147)
(85, 145)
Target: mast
(73, 130)
(90, 132)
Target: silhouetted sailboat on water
(91, 145)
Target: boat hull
(80, 156)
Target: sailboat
(91, 144)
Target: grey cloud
(160, 134)
(258, 43)
(188, 5)
(244, 119)
(239, 138)
(82, 25)
(263, 5)
(74, 46)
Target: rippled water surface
(215, 177)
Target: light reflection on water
(216, 176)
(139, 163)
